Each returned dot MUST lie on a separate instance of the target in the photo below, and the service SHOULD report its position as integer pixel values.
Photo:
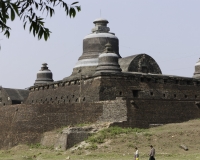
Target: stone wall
(153, 99)
(114, 110)
(74, 91)
(164, 95)
(127, 100)
(109, 86)
(26, 123)
(138, 86)
(142, 113)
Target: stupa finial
(108, 48)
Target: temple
(104, 87)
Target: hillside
(118, 144)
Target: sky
(167, 30)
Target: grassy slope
(118, 144)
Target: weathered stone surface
(139, 63)
(27, 123)
(71, 136)
(49, 139)
(145, 99)
(114, 111)
(44, 75)
(108, 61)
(136, 97)
(93, 45)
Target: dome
(108, 61)
(197, 70)
(139, 63)
(44, 75)
(93, 45)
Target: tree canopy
(30, 12)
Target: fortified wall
(103, 87)
(149, 99)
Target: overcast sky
(167, 30)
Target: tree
(30, 12)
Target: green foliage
(39, 146)
(36, 145)
(111, 133)
(97, 138)
(29, 12)
(7, 7)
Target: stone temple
(104, 87)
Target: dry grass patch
(117, 143)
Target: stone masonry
(103, 87)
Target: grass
(111, 133)
(39, 146)
(117, 143)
